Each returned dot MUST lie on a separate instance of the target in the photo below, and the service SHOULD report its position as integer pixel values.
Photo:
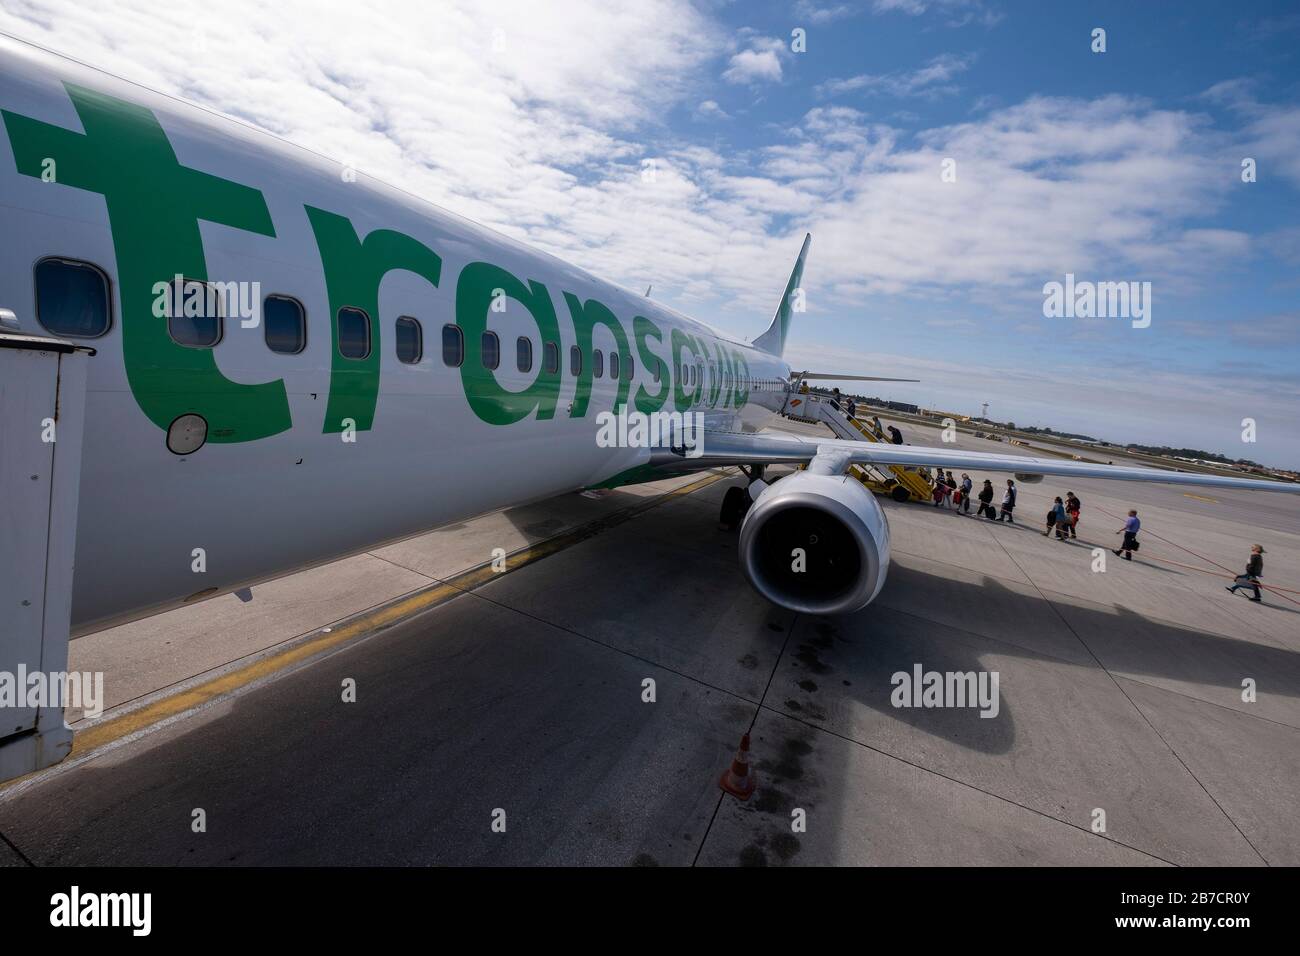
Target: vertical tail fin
(773, 340)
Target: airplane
(294, 362)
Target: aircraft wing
(734, 448)
(837, 377)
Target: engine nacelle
(1028, 479)
(816, 543)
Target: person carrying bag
(1254, 571)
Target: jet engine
(815, 543)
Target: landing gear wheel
(899, 493)
(734, 505)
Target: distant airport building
(904, 407)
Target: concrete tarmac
(1123, 734)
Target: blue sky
(1222, 69)
(690, 147)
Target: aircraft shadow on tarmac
(878, 645)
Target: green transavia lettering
(154, 207)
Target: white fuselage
(424, 453)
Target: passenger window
(613, 365)
(524, 354)
(490, 346)
(453, 345)
(629, 369)
(72, 298)
(354, 333)
(551, 358)
(284, 324)
(597, 363)
(657, 370)
(410, 340)
(201, 329)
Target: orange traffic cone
(736, 779)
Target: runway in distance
(373, 366)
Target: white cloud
(761, 63)
(710, 110)
(910, 7)
(806, 10)
(930, 81)
(463, 103)
(957, 12)
(1044, 188)
(1270, 133)
(1272, 138)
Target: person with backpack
(1254, 571)
(986, 501)
(1057, 518)
(1008, 503)
(966, 486)
(1072, 508)
(1130, 531)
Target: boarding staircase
(900, 483)
(42, 399)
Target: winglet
(773, 340)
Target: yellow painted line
(106, 732)
(1188, 494)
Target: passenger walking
(966, 486)
(950, 496)
(986, 501)
(1072, 508)
(1130, 531)
(1254, 571)
(941, 489)
(1008, 503)
(1058, 519)
(895, 435)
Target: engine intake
(816, 543)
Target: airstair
(42, 398)
(900, 483)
